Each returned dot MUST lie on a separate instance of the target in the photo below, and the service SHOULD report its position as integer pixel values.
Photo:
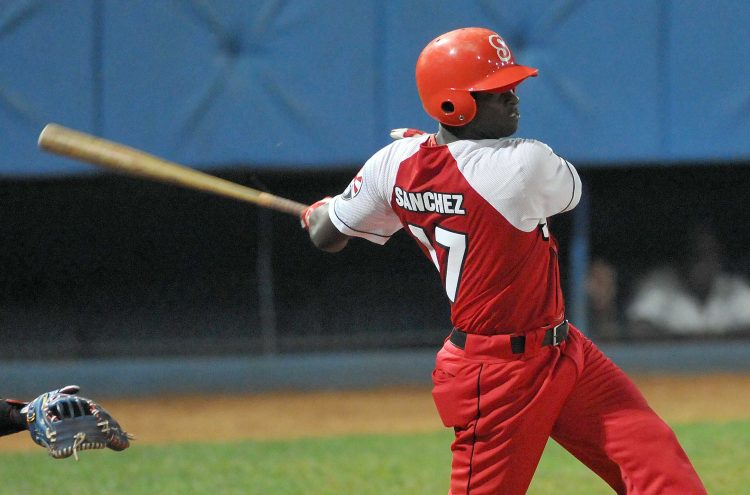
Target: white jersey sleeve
(523, 179)
(552, 184)
(364, 208)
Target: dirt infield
(679, 399)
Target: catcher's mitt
(66, 424)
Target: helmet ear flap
(452, 107)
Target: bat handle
(283, 205)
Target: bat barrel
(124, 159)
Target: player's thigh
(608, 425)
(590, 423)
(502, 430)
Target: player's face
(497, 115)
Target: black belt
(554, 336)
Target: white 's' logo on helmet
(503, 52)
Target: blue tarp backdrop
(318, 83)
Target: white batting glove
(304, 218)
(405, 132)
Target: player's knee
(663, 436)
(656, 437)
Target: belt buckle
(555, 340)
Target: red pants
(503, 411)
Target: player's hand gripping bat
(118, 157)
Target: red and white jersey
(478, 210)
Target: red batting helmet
(456, 63)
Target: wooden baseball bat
(120, 158)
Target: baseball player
(513, 371)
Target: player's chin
(507, 130)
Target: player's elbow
(324, 235)
(330, 246)
(330, 243)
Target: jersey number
(454, 244)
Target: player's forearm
(324, 235)
(11, 420)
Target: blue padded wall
(708, 78)
(46, 54)
(318, 83)
(220, 83)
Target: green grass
(357, 465)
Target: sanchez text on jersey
(430, 201)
